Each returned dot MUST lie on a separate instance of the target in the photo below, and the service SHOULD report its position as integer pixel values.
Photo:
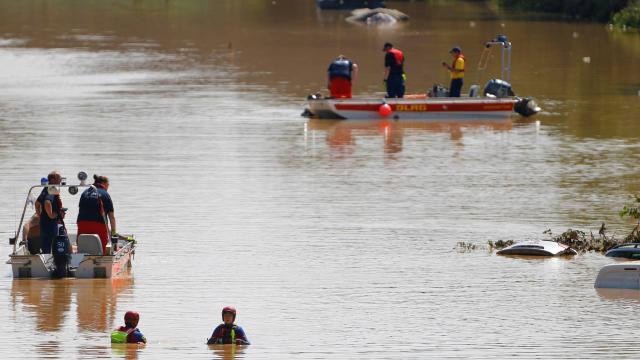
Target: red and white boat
(497, 100)
(438, 109)
(85, 258)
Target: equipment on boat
(498, 88)
(626, 251)
(87, 261)
(619, 276)
(538, 248)
(496, 102)
(61, 251)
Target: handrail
(505, 66)
(14, 240)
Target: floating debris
(500, 244)
(491, 246)
(586, 59)
(467, 247)
(583, 242)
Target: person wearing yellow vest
(457, 71)
(129, 333)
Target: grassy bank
(622, 13)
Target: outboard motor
(61, 251)
(498, 88)
(526, 107)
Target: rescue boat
(86, 258)
(497, 100)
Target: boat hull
(436, 109)
(25, 265)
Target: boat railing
(485, 57)
(73, 190)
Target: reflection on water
(228, 352)
(341, 135)
(624, 295)
(127, 351)
(335, 236)
(49, 302)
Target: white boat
(538, 248)
(624, 275)
(497, 100)
(86, 259)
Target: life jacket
(42, 198)
(457, 75)
(341, 68)
(121, 335)
(226, 335)
(398, 55)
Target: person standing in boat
(50, 211)
(341, 74)
(457, 71)
(394, 75)
(129, 333)
(94, 209)
(228, 332)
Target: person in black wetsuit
(228, 332)
(50, 211)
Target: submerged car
(626, 251)
(624, 275)
(538, 248)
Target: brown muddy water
(333, 239)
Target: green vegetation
(622, 13)
(629, 16)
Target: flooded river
(333, 239)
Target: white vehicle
(538, 248)
(86, 259)
(625, 275)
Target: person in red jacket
(394, 75)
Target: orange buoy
(384, 110)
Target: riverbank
(621, 13)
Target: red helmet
(229, 310)
(131, 317)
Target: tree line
(623, 13)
